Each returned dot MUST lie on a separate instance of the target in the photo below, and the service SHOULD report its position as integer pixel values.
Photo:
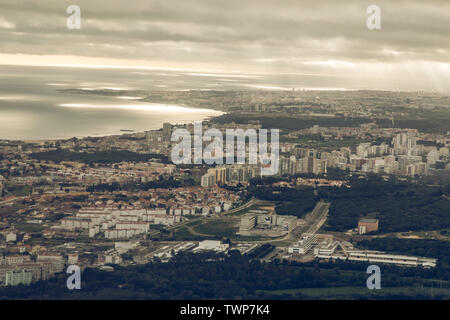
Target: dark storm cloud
(263, 36)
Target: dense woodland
(422, 120)
(291, 123)
(217, 276)
(104, 157)
(168, 183)
(399, 206)
(295, 202)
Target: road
(314, 222)
(316, 218)
(12, 200)
(244, 206)
(179, 225)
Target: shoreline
(122, 132)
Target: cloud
(261, 36)
(5, 24)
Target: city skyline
(216, 151)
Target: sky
(279, 39)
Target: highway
(314, 221)
(179, 225)
(316, 218)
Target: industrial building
(322, 246)
(272, 225)
(214, 245)
(367, 225)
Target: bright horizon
(299, 39)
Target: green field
(29, 227)
(209, 229)
(337, 292)
(257, 206)
(326, 145)
(183, 234)
(20, 191)
(219, 228)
